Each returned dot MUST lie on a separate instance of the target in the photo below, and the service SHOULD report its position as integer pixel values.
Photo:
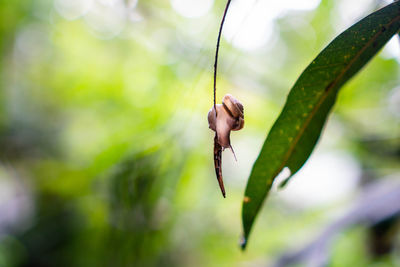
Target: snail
(227, 117)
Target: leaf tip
(283, 183)
(243, 243)
(283, 177)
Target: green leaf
(296, 131)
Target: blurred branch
(377, 203)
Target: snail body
(229, 117)
(224, 118)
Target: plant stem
(216, 54)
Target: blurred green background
(105, 151)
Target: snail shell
(229, 117)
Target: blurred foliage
(106, 158)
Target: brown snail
(227, 117)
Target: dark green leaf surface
(296, 131)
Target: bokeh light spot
(192, 8)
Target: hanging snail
(222, 119)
